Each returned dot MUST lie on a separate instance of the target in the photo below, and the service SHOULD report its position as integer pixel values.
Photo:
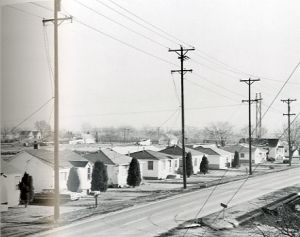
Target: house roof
(7, 168)
(151, 155)
(177, 151)
(108, 157)
(206, 150)
(65, 157)
(239, 148)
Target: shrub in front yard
(204, 165)
(134, 173)
(26, 189)
(236, 160)
(73, 182)
(189, 164)
(99, 179)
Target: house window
(242, 155)
(176, 163)
(89, 173)
(150, 165)
(195, 162)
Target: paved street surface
(155, 218)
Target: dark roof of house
(65, 157)
(207, 151)
(108, 157)
(151, 155)
(239, 148)
(177, 151)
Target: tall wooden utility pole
(289, 101)
(182, 56)
(55, 21)
(250, 82)
(56, 114)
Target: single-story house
(258, 155)
(117, 165)
(157, 165)
(217, 158)
(177, 152)
(10, 178)
(275, 147)
(39, 163)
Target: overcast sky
(106, 82)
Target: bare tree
(295, 134)
(44, 128)
(220, 132)
(245, 131)
(285, 221)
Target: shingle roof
(239, 148)
(177, 151)
(207, 151)
(151, 155)
(65, 157)
(108, 157)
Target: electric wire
(25, 12)
(212, 91)
(136, 22)
(120, 24)
(278, 93)
(75, 19)
(47, 54)
(32, 114)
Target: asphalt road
(158, 217)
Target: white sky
(106, 83)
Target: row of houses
(155, 163)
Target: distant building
(144, 142)
(275, 147)
(29, 136)
(258, 155)
(168, 140)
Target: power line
(46, 46)
(169, 118)
(289, 77)
(212, 91)
(32, 114)
(122, 42)
(217, 85)
(25, 12)
(120, 24)
(175, 89)
(145, 27)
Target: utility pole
(55, 21)
(182, 56)
(249, 82)
(289, 101)
(258, 115)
